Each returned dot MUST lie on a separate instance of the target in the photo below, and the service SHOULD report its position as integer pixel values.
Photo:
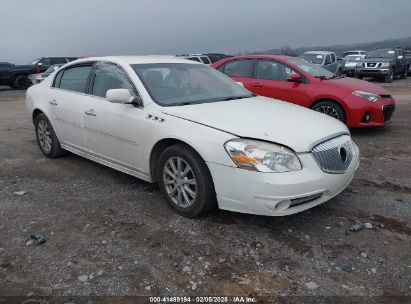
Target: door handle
(257, 85)
(53, 102)
(91, 112)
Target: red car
(356, 102)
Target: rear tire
(339, 72)
(330, 108)
(185, 181)
(46, 137)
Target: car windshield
(173, 84)
(33, 62)
(52, 69)
(352, 58)
(381, 54)
(313, 58)
(312, 69)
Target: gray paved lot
(111, 234)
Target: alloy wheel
(180, 182)
(330, 111)
(44, 135)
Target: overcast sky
(30, 29)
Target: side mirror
(123, 96)
(294, 78)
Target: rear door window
(74, 79)
(239, 68)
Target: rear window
(74, 79)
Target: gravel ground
(109, 234)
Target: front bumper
(379, 113)
(364, 72)
(350, 71)
(267, 193)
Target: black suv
(383, 63)
(17, 76)
(407, 54)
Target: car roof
(138, 59)
(279, 57)
(355, 55)
(319, 52)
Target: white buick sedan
(206, 140)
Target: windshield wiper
(186, 103)
(235, 97)
(325, 77)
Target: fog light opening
(283, 205)
(366, 117)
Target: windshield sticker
(320, 56)
(390, 52)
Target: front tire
(389, 78)
(405, 73)
(330, 108)
(185, 181)
(46, 137)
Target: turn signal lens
(262, 156)
(366, 95)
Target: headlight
(367, 96)
(385, 65)
(359, 65)
(261, 156)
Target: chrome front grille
(335, 155)
(373, 64)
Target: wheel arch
(18, 74)
(159, 147)
(317, 101)
(36, 113)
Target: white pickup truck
(327, 60)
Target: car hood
(377, 60)
(351, 84)
(264, 118)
